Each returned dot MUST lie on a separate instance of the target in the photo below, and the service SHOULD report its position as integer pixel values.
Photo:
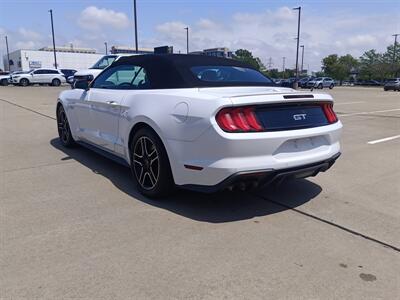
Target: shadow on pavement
(214, 208)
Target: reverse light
(238, 119)
(329, 113)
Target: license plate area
(291, 117)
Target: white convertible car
(199, 122)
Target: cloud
(271, 33)
(29, 34)
(362, 40)
(94, 18)
(22, 38)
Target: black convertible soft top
(168, 71)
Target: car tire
(150, 165)
(24, 82)
(320, 86)
(56, 82)
(4, 82)
(331, 86)
(64, 131)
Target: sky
(267, 28)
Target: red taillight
(329, 113)
(240, 119)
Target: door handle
(112, 102)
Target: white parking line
(369, 112)
(384, 140)
(347, 103)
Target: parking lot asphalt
(73, 225)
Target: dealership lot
(73, 225)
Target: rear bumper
(255, 179)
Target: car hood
(85, 72)
(4, 76)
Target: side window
(52, 72)
(122, 77)
(38, 72)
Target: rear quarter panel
(176, 114)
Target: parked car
(321, 82)
(39, 76)
(347, 83)
(368, 83)
(303, 81)
(199, 122)
(68, 74)
(288, 82)
(5, 79)
(100, 65)
(392, 84)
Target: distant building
(69, 49)
(25, 60)
(217, 52)
(130, 50)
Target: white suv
(321, 82)
(41, 76)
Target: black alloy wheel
(56, 82)
(150, 164)
(64, 131)
(24, 82)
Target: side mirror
(81, 84)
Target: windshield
(229, 74)
(318, 79)
(104, 62)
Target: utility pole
(54, 42)
(297, 48)
(270, 63)
(394, 52)
(187, 40)
(302, 59)
(136, 34)
(394, 48)
(8, 56)
(283, 67)
(105, 44)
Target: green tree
(247, 57)
(330, 64)
(339, 67)
(392, 59)
(372, 65)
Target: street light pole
(187, 40)
(283, 67)
(54, 42)
(136, 33)
(302, 58)
(8, 55)
(395, 44)
(105, 44)
(394, 51)
(298, 41)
